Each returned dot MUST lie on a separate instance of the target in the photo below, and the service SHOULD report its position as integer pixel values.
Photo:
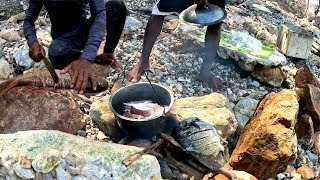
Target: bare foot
(109, 59)
(210, 80)
(135, 74)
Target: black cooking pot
(141, 128)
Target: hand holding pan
(207, 15)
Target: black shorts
(179, 5)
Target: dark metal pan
(209, 15)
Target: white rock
(62, 174)
(24, 173)
(229, 92)
(79, 178)
(5, 69)
(10, 35)
(22, 57)
(255, 83)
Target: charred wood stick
(131, 159)
(171, 140)
(196, 166)
(83, 98)
(183, 167)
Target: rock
(212, 108)
(244, 109)
(102, 115)
(101, 136)
(306, 172)
(24, 173)
(316, 147)
(268, 141)
(264, 35)
(12, 7)
(95, 160)
(10, 35)
(5, 70)
(248, 62)
(270, 76)
(17, 18)
(305, 76)
(258, 7)
(296, 176)
(310, 104)
(132, 24)
(306, 8)
(21, 56)
(304, 130)
(241, 175)
(29, 108)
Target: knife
(49, 67)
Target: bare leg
(153, 30)
(212, 40)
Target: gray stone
(133, 24)
(12, 7)
(95, 160)
(5, 70)
(244, 109)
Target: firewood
(183, 167)
(134, 157)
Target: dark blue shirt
(67, 16)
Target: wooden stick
(183, 167)
(227, 173)
(171, 140)
(129, 160)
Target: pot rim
(146, 119)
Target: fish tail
(7, 85)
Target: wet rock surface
(268, 141)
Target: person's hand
(80, 71)
(110, 59)
(201, 3)
(36, 52)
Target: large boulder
(305, 76)
(268, 141)
(12, 7)
(305, 131)
(44, 154)
(271, 76)
(212, 108)
(102, 115)
(310, 104)
(31, 108)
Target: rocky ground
(175, 62)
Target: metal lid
(208, 15)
